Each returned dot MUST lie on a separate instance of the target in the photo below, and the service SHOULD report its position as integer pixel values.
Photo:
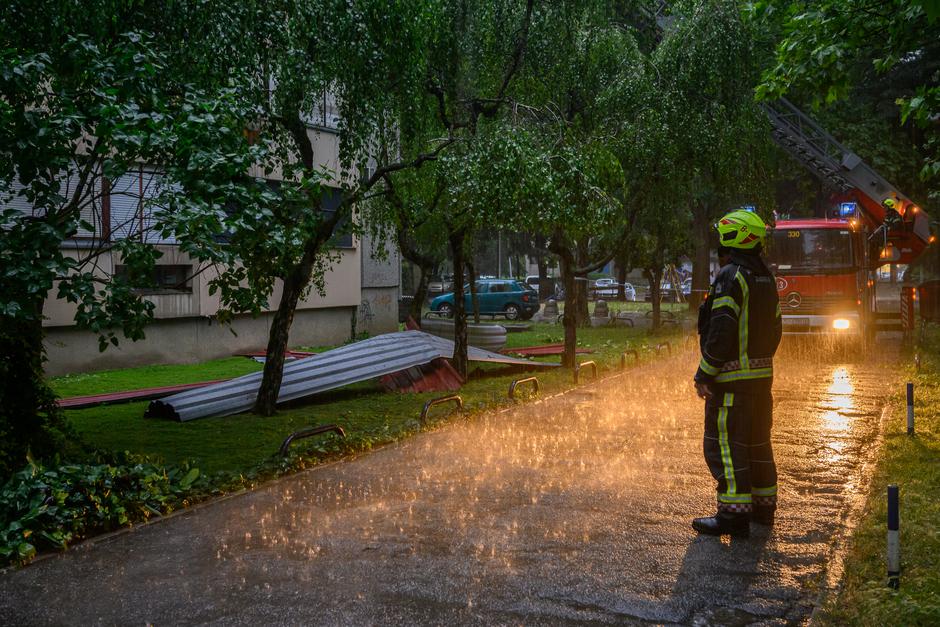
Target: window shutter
(125, 206)
(90, 203)
(154, 184)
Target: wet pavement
(572, 510)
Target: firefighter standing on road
(740, 327)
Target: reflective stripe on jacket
(739, 323)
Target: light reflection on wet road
(575, 509)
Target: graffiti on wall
(373, 306)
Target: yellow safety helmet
(741, 229)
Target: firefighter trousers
(738, 450)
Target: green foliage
(43, 507)
(833, 50)
(88, 93)
(67, 119)
(30, 420)
(715, 137)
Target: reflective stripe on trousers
(737, 447)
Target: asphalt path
(575, 509)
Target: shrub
(51, 507)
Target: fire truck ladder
(843, 171)
(834, 164)
(808, 143)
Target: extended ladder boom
(844, 171)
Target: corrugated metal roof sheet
(436, 376)
(381, 355)
(145, 394)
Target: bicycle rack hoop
(577, 369)
(454, 398)
(518, 382)
(623, 358)
(308, 432)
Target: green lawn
(913, 463)
(240, 443)
(105, 381)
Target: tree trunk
(621, 280)
(544, 292)
(701, 255)
(582, 315)
(655, 277)
(30, 420)
(583, 286)
(569, 319)
(474, 299)
(293, 286)
(421, 292)
(456, 240)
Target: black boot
(723, 523)
(763, 515)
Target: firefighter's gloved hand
(703, 390)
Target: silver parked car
(610, 289)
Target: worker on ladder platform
(740, 328)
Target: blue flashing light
(848, 209)
(750, 208)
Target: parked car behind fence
(439, 285)
(609, 289)
(497, 297)
(547, 288)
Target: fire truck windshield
(826, 251)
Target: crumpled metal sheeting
(368, 359)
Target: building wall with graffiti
(380, 286)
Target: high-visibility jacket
(739, 324)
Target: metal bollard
(910, 408)
(894, 542)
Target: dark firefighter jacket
(739, 324)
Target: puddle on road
(836, 420)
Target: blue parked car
(503, 297)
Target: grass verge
(240, 444)
(913, 463)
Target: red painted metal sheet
(79, 402)
(544, 349)
(436, 376)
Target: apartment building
(361, 292)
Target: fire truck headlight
(840, 324)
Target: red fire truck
(823, 278)
(825, 266)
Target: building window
(342, 238)
(330, 199)
(175, 279)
